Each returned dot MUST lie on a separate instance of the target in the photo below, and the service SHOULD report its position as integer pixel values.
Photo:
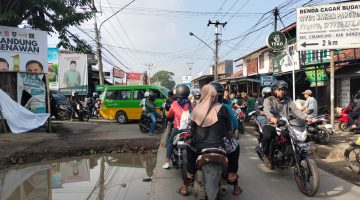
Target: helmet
(73, 93)
(218, 87)
(182, 91)
(279, 84)
(95, 94)
(357, 95)
(196, 93)
(266, 91)
(147, 94)
(234, 101)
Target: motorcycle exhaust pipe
(259, 152)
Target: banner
(31, 92)
(23, 50)
(321, 75)
(73, 73)
(118, 73)
(53, 59)
(133, 76)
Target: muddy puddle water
(117, 176)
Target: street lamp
(215, 52)
(98, 42)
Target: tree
(53, 16)
(165, 78)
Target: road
(256, 181)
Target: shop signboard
(312, 73)
(53, 60)
(286, 62)
(23, 50)
(73, 73)
(266, 80)
(276, 40)
(331, 26)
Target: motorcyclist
(142, 103)
(355, 113)
(150, 108)
(210, 123)
(176, 110)
(74, 99)
(265, 92)
(278, 105)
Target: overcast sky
(157, 31)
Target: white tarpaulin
(19, 118)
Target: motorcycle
(82, 113)
(288, 150)
(209, 182)
(59, 106)
(319, 130)
(96, 109)
(352, 156)
(240, 116)
(144, 123)
(178, 156)
(344, 120)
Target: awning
(235, 80)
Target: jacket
(284, 108)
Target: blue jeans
(170, 145)
(262, 120)
(153, 117)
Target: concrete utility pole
(98, 48)
(149, 68)
(332, 93)
(216, 24)
(276, 13)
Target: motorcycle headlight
(299, 133)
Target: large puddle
(118, 176)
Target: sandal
(183, 190)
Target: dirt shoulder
(330, 158)
(68, 142)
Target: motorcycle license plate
(328, 126)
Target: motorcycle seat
(213, 150)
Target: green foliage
(53, 16)
(165, 78)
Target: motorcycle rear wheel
(307, 177)
(352, 158)
(343, 126)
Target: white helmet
(266, 91)
(147, 94)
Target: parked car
(60, 106)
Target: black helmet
(74, 93)
(182, 91)
(95, 94)
(357, 95)
(279, 84)
(218, 87)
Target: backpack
(185, 117)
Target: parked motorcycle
(319, 129)
(352, 156)
(288, 150)
(59, 106)
(144, 124)
(209, 182)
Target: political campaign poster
(73, 73)
(53, 68)
(23, 50)
(31, 91)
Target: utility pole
(216, 24)
(98, 47)
(149, 67)
(276, 13)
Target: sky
(156, 32)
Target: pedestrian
(310, 107)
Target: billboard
(53, 68)
(31, 92)
(73, 73)
(23, 50)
